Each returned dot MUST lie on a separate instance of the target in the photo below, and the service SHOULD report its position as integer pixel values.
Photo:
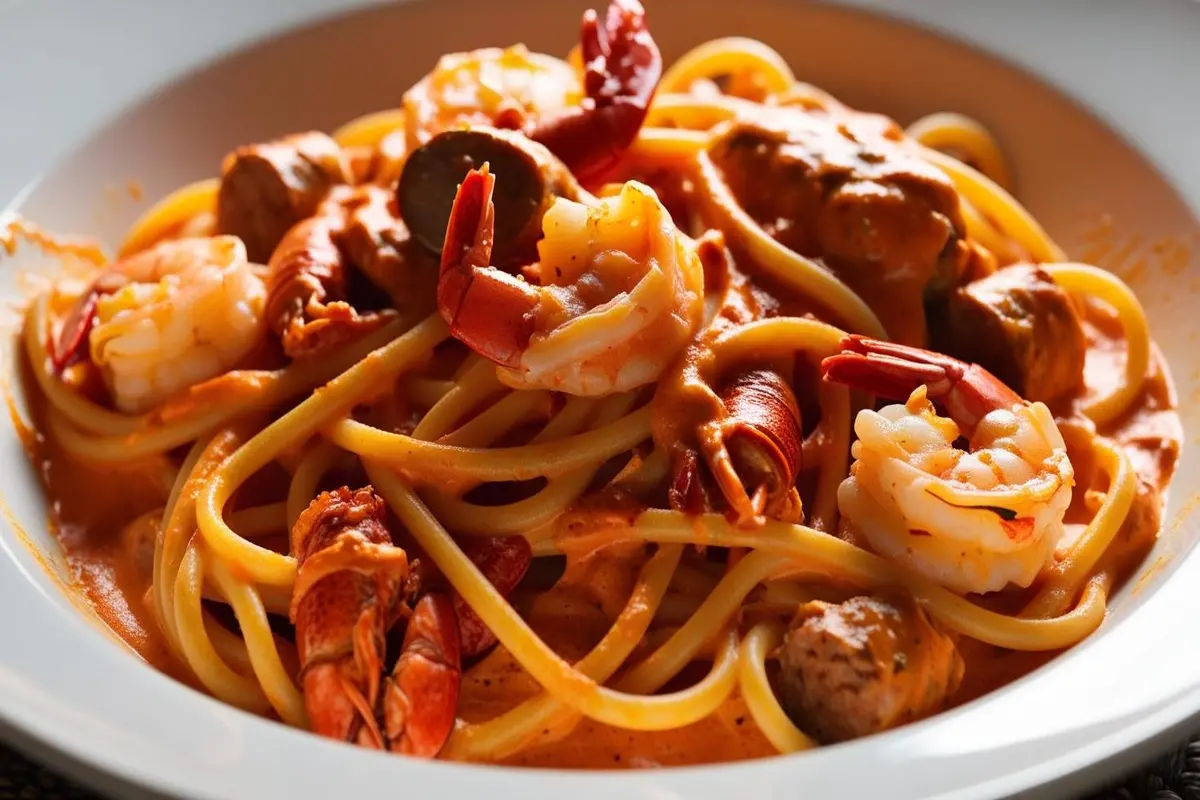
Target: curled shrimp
(588, 124)
(620, 292)
(167, 318)
(501, 87)
(974, 520)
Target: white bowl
(73, 697)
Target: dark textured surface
(21, 779)
(1173, 776)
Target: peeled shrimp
(492, 86)
(173, 316)
(619, 292)
(973, 520)
(586, 120)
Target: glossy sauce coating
(107, 556)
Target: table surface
(1172, 776)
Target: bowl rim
(55, 713)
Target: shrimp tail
(72, 343)
(73, 340)
(967, 392)
(487, 309)
(622, 66)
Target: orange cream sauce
(99, 516)
(15, 228)
(1150, 433)
(572, 617)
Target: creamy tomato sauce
(104, 520)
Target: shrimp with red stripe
(616, 292)
(973, 519)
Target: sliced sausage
(1019, 325)
(1137, 535)
(530, 178)
(267, 188)
(863, 666)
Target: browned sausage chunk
(1137, 535)
(1019, 325)
(864, 666)
(839, 186)
(533, 179)
(267, 188)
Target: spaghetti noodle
(627, 492)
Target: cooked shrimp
(620, 292)
(973, 520)
(587, 121)
(310, 273)
(169, 318)
(492, 86)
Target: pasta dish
(596, 412)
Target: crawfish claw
(503, 560)
(420, 698)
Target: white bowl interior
(1095, 195)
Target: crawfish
(743, 430)
(311, 272)
(503, 560)
(751, 448)
(349, 592)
